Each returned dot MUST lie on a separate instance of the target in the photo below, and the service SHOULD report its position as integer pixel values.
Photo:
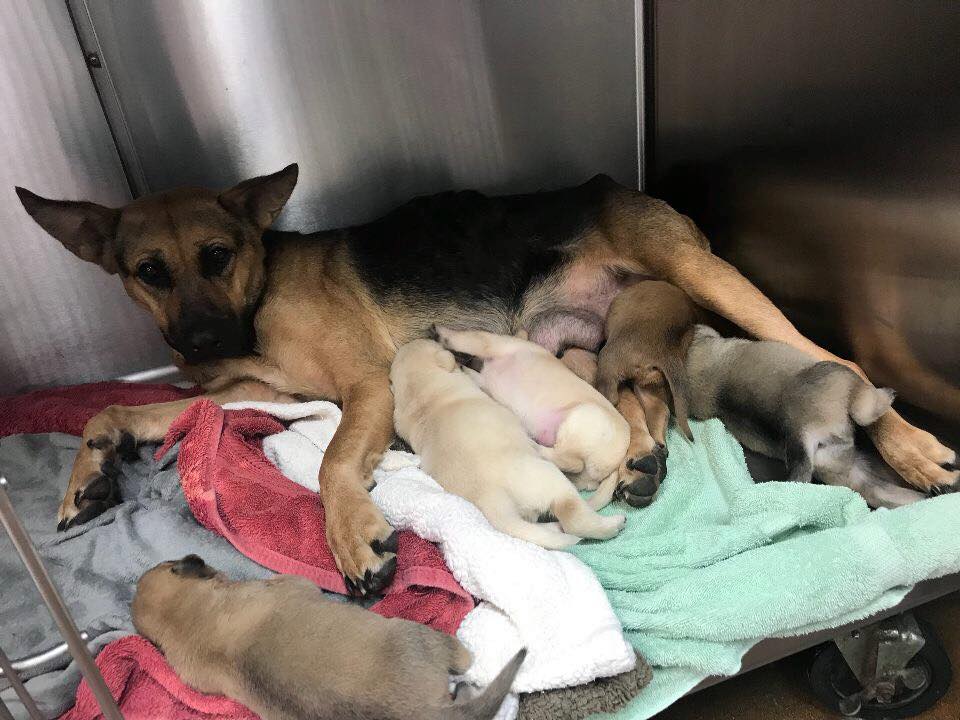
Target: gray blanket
(95, 566)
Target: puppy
(574, 426)
(478, 449)
(641, 370)
(782, 403)
(288, 653)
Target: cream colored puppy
(575, 426)
(476, 448)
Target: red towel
(235, 491)
(67, 409)
(227, 481)
(148, 689)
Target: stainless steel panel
(378, 101)
(818, 143)
(61, 320)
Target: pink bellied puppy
(476, 448)
(575, 426)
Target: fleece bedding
(96, 565)
(718, 562)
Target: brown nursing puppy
(641, 370)
(288, 653)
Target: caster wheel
(928, 680)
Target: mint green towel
(718, 563)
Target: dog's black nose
(203, 345)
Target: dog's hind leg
(113, 434)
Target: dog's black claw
(433, 333)
(62, 525)
(389, 545)
(949, 466)
(352, 588)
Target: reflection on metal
(378, 102)
(35, 661)
(818, 144)
(61, 320)
(58, 609)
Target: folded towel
(718, 563)
(67, 409)
(148, 689)
(603, 695)
(546, 601)
(227, 480)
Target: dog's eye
(214, 260)
(153, 273)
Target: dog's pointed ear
(84, 228)
(261, 199)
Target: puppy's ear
(446, 360)
(192, 566)
(84, 228)
(261, 199)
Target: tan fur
(649, 328)
(591, 438)
(478, 449)
(322, 336)
(288, 653)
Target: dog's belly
(576, 309)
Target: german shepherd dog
(256, 314)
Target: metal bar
(18, 688)
(5, 713)
(56, 606)
(41, 658)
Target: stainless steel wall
(378, 101)
(818, 143)
(60, 320)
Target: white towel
(547, 601)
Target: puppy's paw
(640, 478)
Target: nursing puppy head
(194, 258)
(168, 590)
(417, 359)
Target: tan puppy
(575, 427)
(478, 449)
(288, 653)
(649, 328)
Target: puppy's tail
(676, 374)
(868, 403)
(485, 705)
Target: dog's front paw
(363, 544)
(640, 478)
(94, 485)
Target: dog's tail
(868, 403)
(675, 372)
(485, 705)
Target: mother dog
(256, 314)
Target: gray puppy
(782, 403)
(289, 653)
